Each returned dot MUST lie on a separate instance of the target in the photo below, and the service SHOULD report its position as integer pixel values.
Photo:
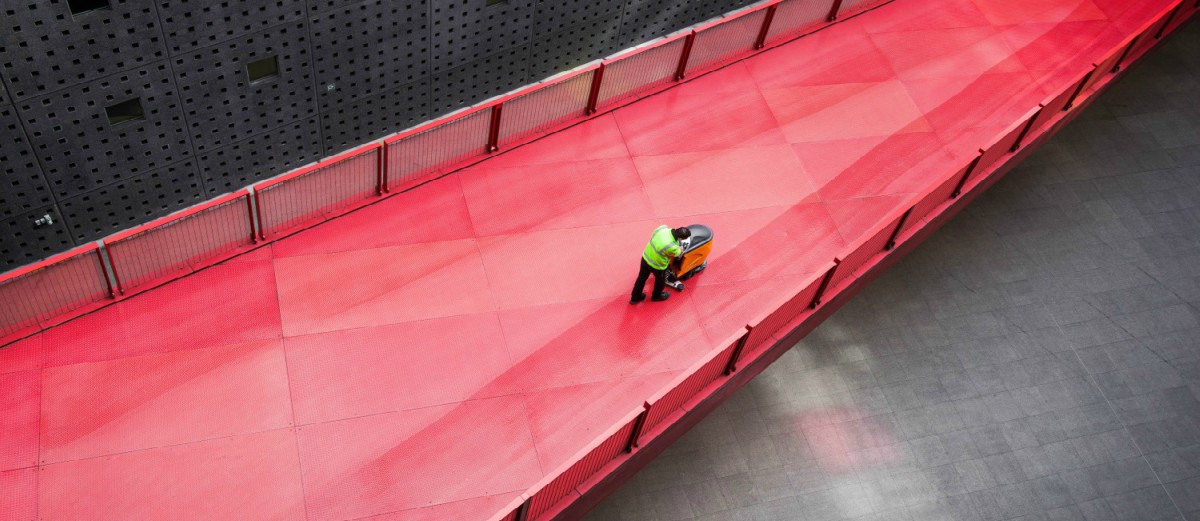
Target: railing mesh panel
(648, 69)
(318, 194)
(721, 43)
(793, 17)
(32, 299)
(183, 244)
(545, 108)
(427, 152)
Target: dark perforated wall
(191, 123)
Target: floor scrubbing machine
(694, 258)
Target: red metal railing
(51, 291)
(181, 243)
(34, 296)
(318, 192)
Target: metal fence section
(670, 401)
(181, 243)
(640, 71)
(434, 148)
(564, 482)
(317, 192)
(790, 306)
(794, 17)
(863, 251)
(939, 195)
(32, 297)
(550, 105)
(725, 40)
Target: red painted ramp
(435, 355)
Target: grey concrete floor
(1037, 359)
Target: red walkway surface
(434, 355)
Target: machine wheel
(694, 271)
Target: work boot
(660, 297)
(637, 298)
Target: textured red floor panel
(19, 417)
(699, 182)
(927, 14)
(568, 195)
(564, 265)
(440, 454)
(563, 419)
(18, 501)
(847, 56)
(967, 102)
(691, 120)
(598, 138)
(575, 343)
(827, 112)
(319, 293)
(1010, 12)
(22, 355)
(256, 476)
(217, 306)
(475, 508)
(436, 212)
(946, 53)
(875, 166)
(371, 370)
(725, 307)
(1051, 47)
(855, 217)
(210, 393)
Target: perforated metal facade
(117, 115)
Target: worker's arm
(674, 251)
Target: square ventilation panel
(129, 202)
(224, 106)
(81, 151)
(191, 24)
(44, 47)
(373, 117)
(23, 240)
(469, 30)
(478, 80)
(368, 48)
(22, 187)
(555, 16)
(261, 156)
(646, 20)
(573, 47)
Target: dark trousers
(660, 280)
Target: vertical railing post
(1170, 17)
(493, 143)
(899, 226)
(110, 270)
(638, 425)
(262, 233)
(966, 175)
(825, 284)
(382, 177)
(523, 510)
(1079, 89)
(731, 367)
(594, 94)
(1125, 53)
(1025, 130)
(110, 277)
(761, 41)
(250, 215)
(833, 12)
(683, 57)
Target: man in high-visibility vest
(655, 260)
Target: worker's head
(681, 233)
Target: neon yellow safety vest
(661, 249)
